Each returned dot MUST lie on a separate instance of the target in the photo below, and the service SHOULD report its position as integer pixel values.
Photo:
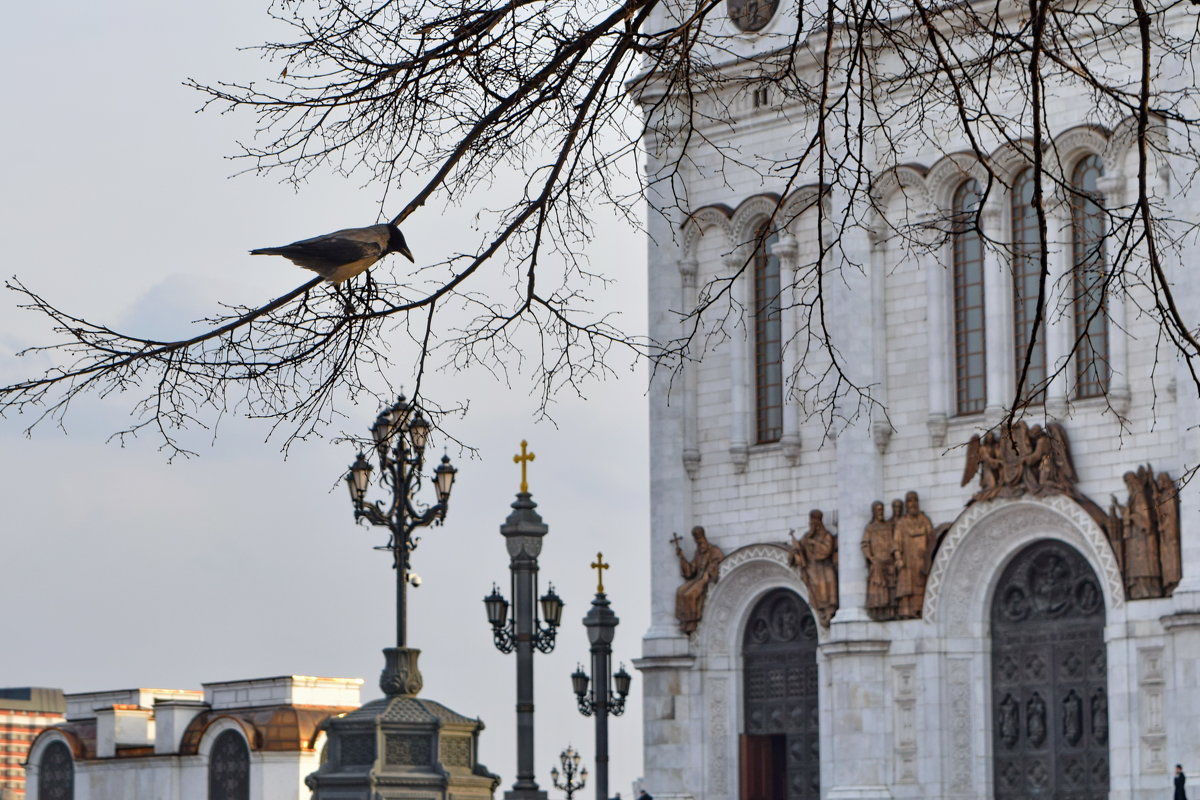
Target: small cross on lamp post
(601, 624)
(523, 631)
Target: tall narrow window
(768, 348)
(969, 359)
(229, 768)
(1091, 330)
(1027, 281)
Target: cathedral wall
(906, 705)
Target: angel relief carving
(1018, 459)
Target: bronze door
(781, 742)
(1049, 687)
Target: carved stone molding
(740, 456)
(691, 463)
(987, 534)
(961, 729)
(936, 424)
(745, 575)
(717, 691)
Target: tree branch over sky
(544, 108)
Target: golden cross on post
(599, 566)
(523, 459)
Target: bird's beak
(404, 251)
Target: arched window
(969, 358)
(229, 768)
(768, 346)
(1027, 281)
(56, 773)
(1091, 330)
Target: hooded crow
(341, 255)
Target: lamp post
(523, 631)
(401, 746)
(601, 624)
(570, 769)
(400, 434)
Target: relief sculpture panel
(816, 556)
(699, 573)
(1144, 533)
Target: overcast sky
(120, 570)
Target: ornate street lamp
(570, 770)
(400, 434)
(522, 630)
(401, 745)
(605, 698)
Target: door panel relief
(780, 746)
(1049, 693)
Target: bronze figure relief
(815, 555)
(699, 573)
(899, 552)
(1144, 533)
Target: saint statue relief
(815, 555)
(1145, 534)
(913, 548)
(877, 548)
(698, 574)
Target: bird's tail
(268, 251)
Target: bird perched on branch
(341, 255)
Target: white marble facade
(904, 705)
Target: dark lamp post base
(400, 676)
(525, 794)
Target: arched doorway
(56, 773)
(780, 746)
(229, 768)
(1049, 687)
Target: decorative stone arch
(797, 204)
(988, 535)
(1077, 143)
(43, 740)
(746, 575)
(1009, 160)
(226, 723)
(1123, 142)
(957, 612)
(750, 214)
(700, 223)
(907, 180)
(947, 175)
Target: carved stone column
(881, 429)
(938, 329)
(1059, 311)
(739, 363)
(687, 297)
(857, 758)
(998, 310)
(1114, 191)
(859, 466)
(787, 251)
